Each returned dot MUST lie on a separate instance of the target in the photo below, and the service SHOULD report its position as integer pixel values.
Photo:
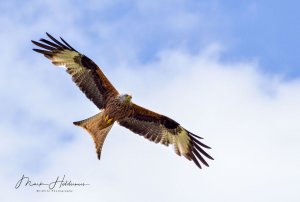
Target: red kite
(115, 107)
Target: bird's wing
(85, 73)
(159, 128)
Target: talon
(109, 121)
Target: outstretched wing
(85, 73)
(159, 128)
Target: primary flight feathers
(116, 107)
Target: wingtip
(49, 35)
(192, 134)
(38, 50)
(194, 159)
(36, 43)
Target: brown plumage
(119, 108)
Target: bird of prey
(116, 107)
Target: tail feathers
(94, 128)
(89, 122)
(99, 138)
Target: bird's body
(119, 107)
(116, 107)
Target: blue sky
(262, 30)
(267, 30)
(228, 71)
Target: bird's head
(125, 98)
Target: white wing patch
(181, 141)
(65, 57)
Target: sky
(226, 70)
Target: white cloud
(248, 118)
(253, 134)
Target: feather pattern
(85, 73)
(161, 129)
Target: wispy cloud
(249, 118)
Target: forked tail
(94, 127)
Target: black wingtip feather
(51, 44)
(67, 44)
(43, 45)
(56, 41)
(195, 161)
(200, 143)
(42, 51)
(202, 151)
(200, 157)
(192, 134)
(196, 150)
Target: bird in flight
(116, 107)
